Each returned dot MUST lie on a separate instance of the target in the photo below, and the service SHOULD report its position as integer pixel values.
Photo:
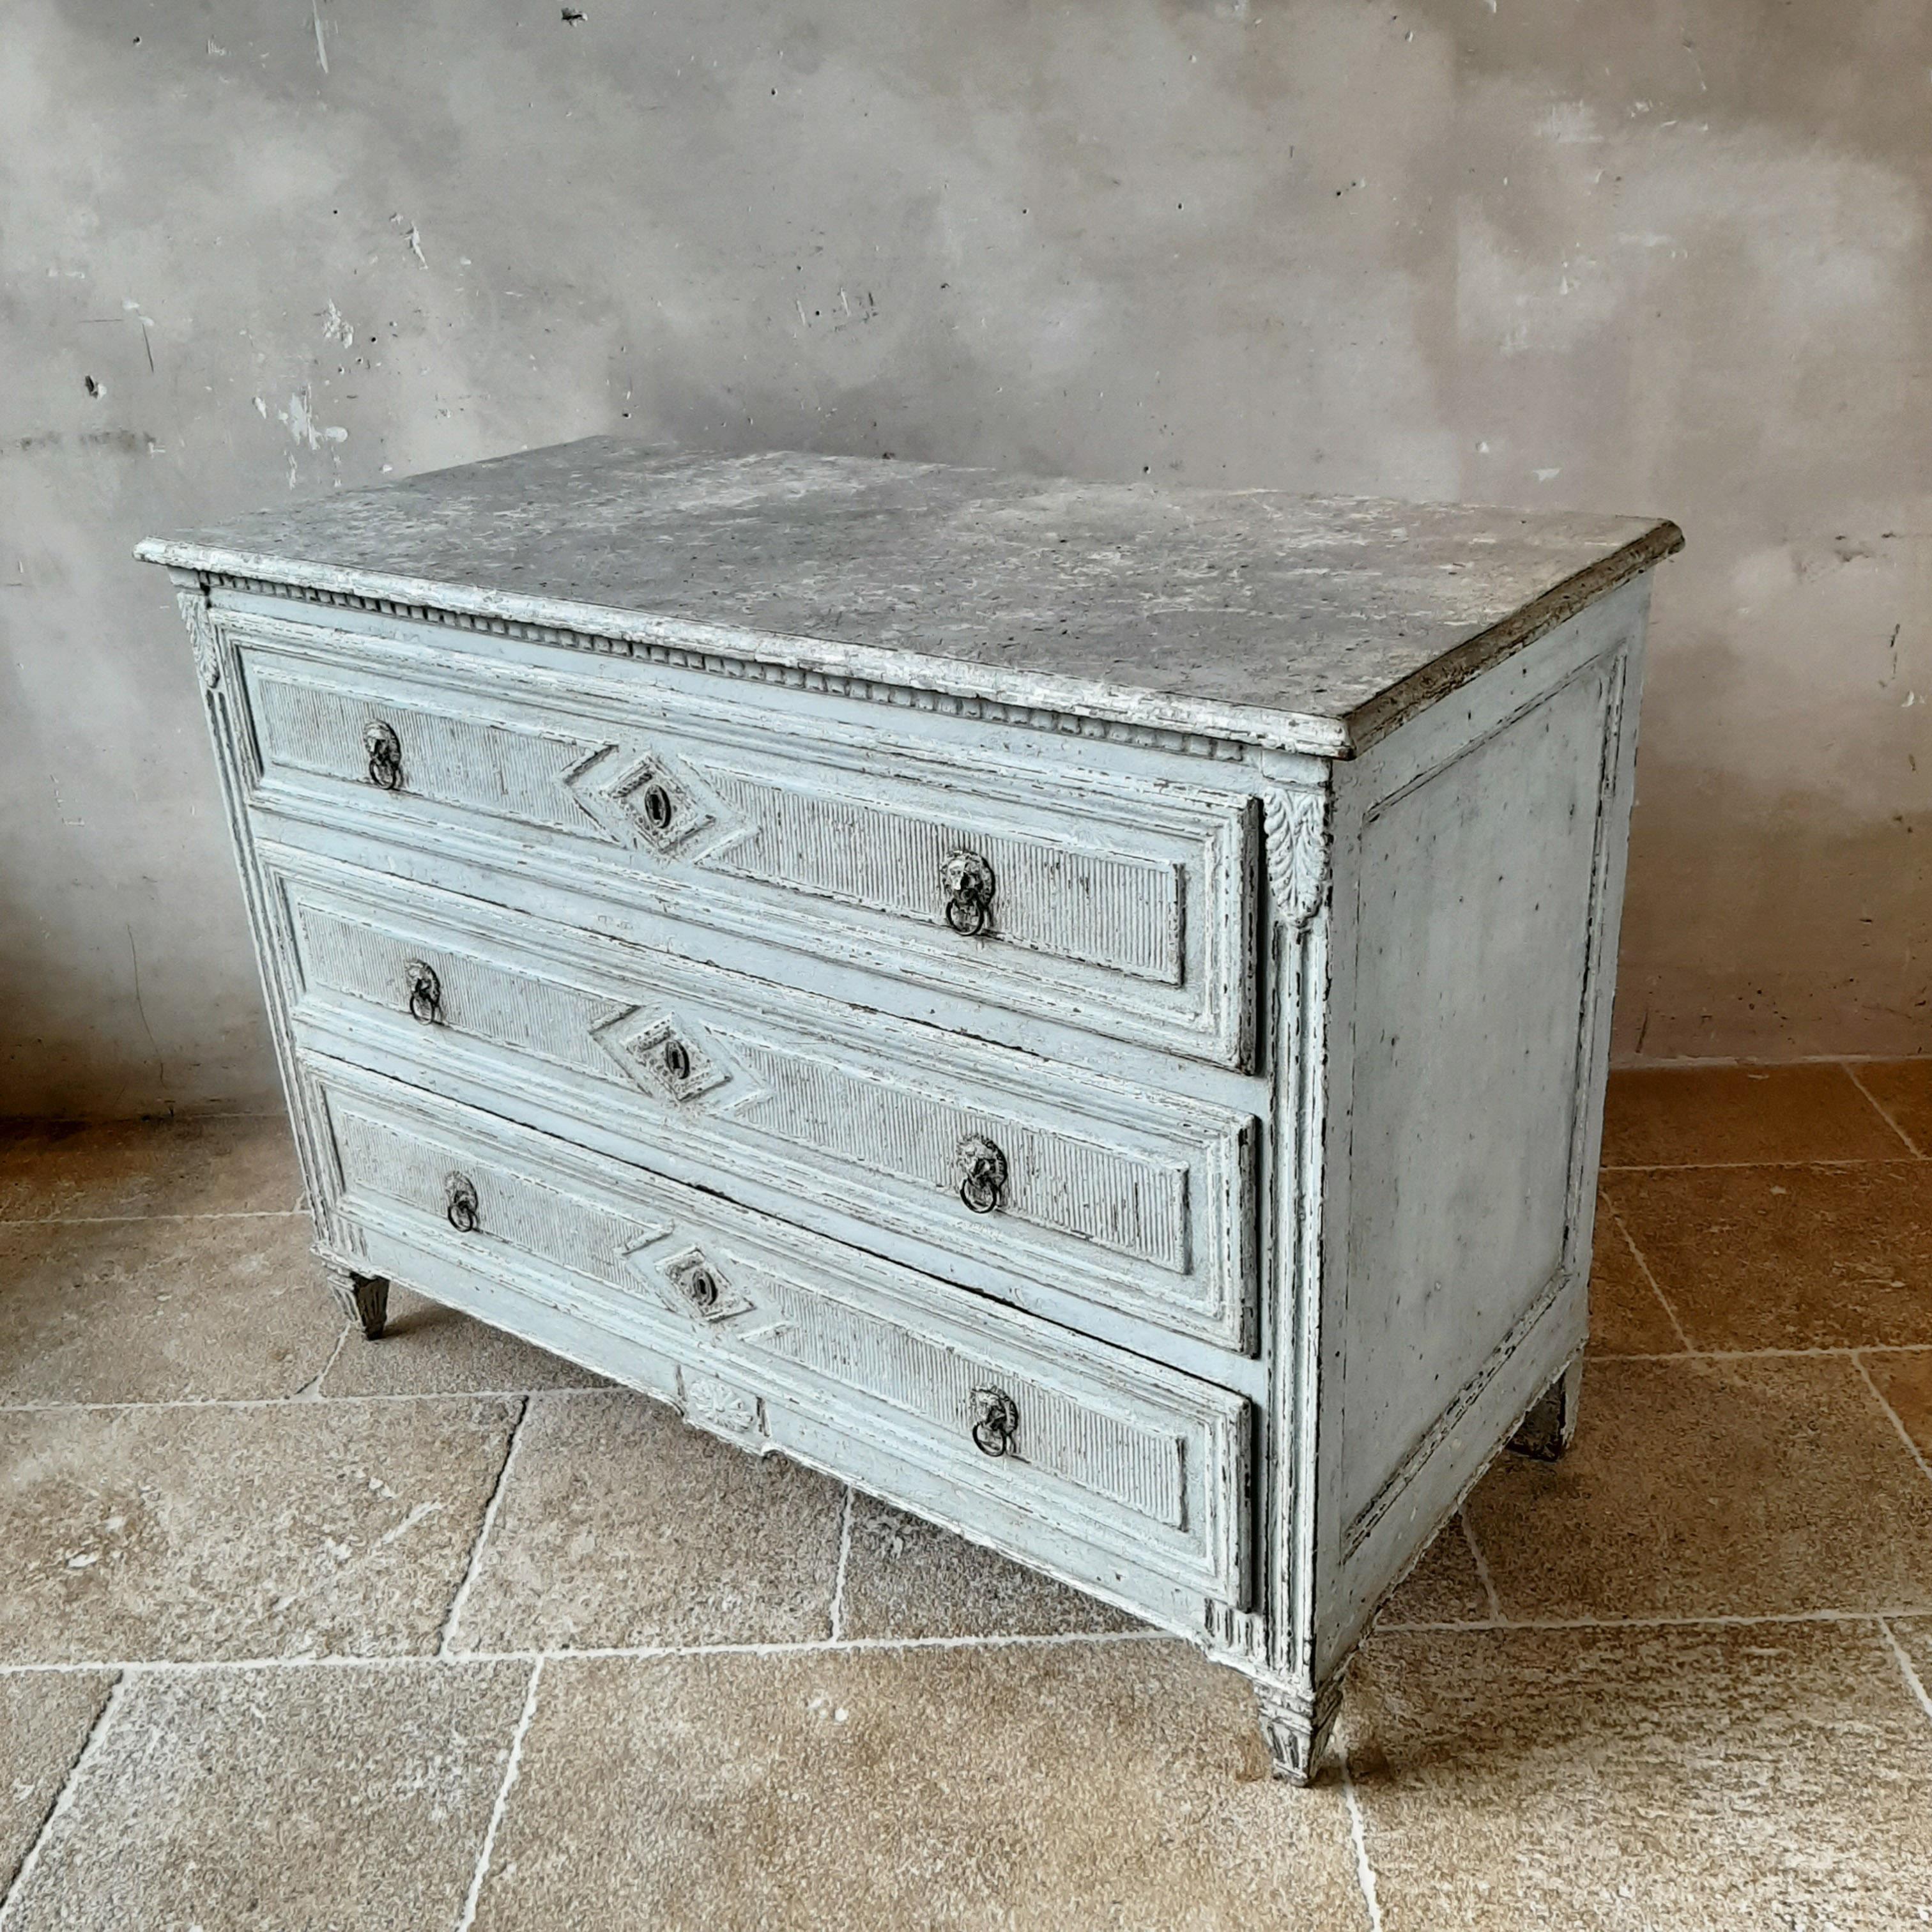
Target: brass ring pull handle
(425, 992)
(386, 755)
(460, 1198)
(967, 881)
(996, 1426)
(984, 1186)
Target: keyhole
(677, 1061)
(657, 806)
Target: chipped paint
(298, 418)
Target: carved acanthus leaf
(201, 634)
(1297, 852)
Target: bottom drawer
(1112, 1471)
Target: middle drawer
(978, 1157)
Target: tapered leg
(364, 1297)
(1550, 1427)
(1296, 1727)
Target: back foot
(1550, 1427)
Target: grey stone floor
(297, 1631)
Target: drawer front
(989, 1159)
(1076, 1446)
(1119, 903)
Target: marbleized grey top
(1307, 623)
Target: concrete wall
(1664, 255)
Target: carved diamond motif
(664, 812)
(640, 800)
(660, 1055)
(701, 1288)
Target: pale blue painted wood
(1288, 1032)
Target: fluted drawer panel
(1103, 1451)
(1122, 1197)
(1121, 912)
(1121, 904)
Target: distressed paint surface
(1308, 622)
(707, 1180)
(1117, 1194)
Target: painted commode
(1081, 1009)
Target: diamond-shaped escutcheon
(664, 812)
(701, 1287)
(661, 1055)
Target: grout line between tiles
(313, 1393)
(844, 1558)
(1913, 1682)
(635, 1653)
(485, 1851)
(1643, 1264)
(340, 1401)
(1365, 1871)
(1848, 1353)
(63, 1799)
(1727, 1166)
(1482, 1564)
(117, 1220)
(483, 1529)
(1885, 1112)
(1710, 1620)
(1912, 1448)
(1702, 1062)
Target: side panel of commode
(1481, 848)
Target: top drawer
(1117, 902)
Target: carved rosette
(1296, 823)
(201, 634)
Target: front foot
(1295, 1728)
(1550, 1427)
(364, 1297)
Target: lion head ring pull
(385, 754)
(983, 1186)
(996, 1424)
(425, 992)
(460, 1198)
(968, 884)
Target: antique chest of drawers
(1079, 1009)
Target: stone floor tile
(1667, 1116)
(45, 1716)
(271, 1529)
(1699, 1488)
(162, 1310)
(1037, 1787)
(1903, 1089)
(1903, 1378)
(620, 1525)
(1668, 1780)
(907, 1578)
(1628, 1316)
(219, 1164)
(1913, 1635)
(1788, 1257)
(1445, 1587)
(343, 1798)
(430, 1350)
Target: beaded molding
(837, 684)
